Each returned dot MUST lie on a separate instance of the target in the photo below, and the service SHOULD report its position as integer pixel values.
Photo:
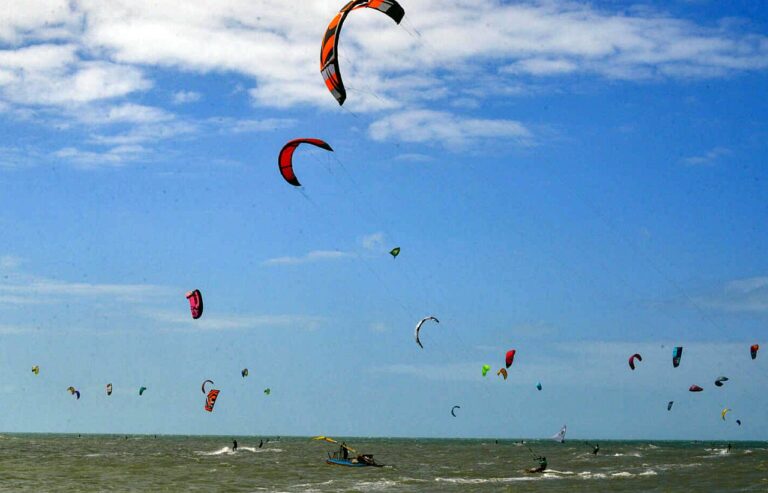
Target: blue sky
(577, 181)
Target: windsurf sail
(560, 436)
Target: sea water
(171, 463)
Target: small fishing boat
(365, 460)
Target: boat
(359, 461)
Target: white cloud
(114, 157)
(739, 296)
(123, 113)
(238, 126)
(707, 159)
(10, 262)
(184, 97)
(447, 129)
(238, 322)
(315, 256)
(373, 241)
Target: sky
(577, 181)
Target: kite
(418, 328)
(677, 353)
(36, 370)
(724, 412)
(267, 391)
(195, 298)
(454, 408)
(285, 158)
(669, 406)
(109, 389)
(329, 56)
(142, 390)
(538, 385)
(719, 381)
(560, 436)
(395, 252)
(486, 368)
(325, 439)
(502, 372)
(205, 382)
(738, 422)
(210, 400)
(754, 349)
(510, 358)
(632, 359)
(74, 392)
(695, 388)
(244, 373)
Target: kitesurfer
(542, 464)
(729, 449)
(261, 443)
(234, 445)
(596, 449)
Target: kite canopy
(724, 412)
(77, 394)
(632, 359)
(510, 358)
(669, 406)
(109, 389)
(454, 408)
(695, 388)
(142, 390)
(325, 439)
(205, 382)
(538, 386)
(71, 390)
(285, 158)
(719, 381)
(418, 328)
(738, 422)
(195, 298)
(36, 370)
(560, 436)
(210, 400)
(502, 372)
(486, 369)
(753, 350)
(395, 252)
(329, 56)
(244, 373)
(677, 353)
(267, 391)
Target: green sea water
(145, 463)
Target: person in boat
(234, 445)
(542, 464)
(596, 449)
(344, 451)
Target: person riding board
(234, 445)
(542, 465)
(596, 449)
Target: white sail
(560, 437)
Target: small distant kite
(109, 389)
(418, 328)
(719, 381)
(486, 369)
(538, 386)
(195, 298)
(74, 392)
(267, 391)
(36, 370)
(677, 353)
(454, 408)
(560, 436)
(203, 386)
(695, 388)
(753, 350)
(502, 372)
(738, 422)
(632, 359)
(395, 252)
(142, 390)
(510, 357)
(285, 158)
(244, 373)
(210, 400)
(669, 406)
(724, 412)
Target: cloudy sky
(579, 181)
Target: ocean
(31, 462)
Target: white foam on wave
(649, 472)
(384, 484)
(536, 477)
(221, 451)
(229, 451)
(622, 474)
